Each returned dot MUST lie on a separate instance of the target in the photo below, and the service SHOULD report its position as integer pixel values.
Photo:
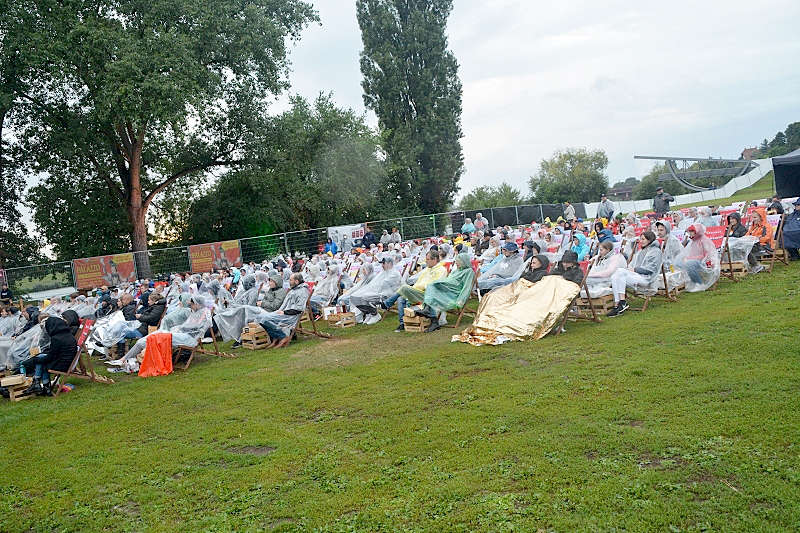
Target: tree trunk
(136, 213)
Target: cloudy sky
(692, 79)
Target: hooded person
(699, 260)
(505, 271)
(791, 232)
(704, 217)
(278, 324)
(532, 249)
(230, 321)
(72, 319)
(643, 271)
(450, 292)
(312, 274)
(579, 245)
(603, 234)
(735, 227)
(365, 274)
(568, 268)
(187, 333)
(761, 229)
(60, 353)
(251, 286)
(178, 315)
(380, 287)
(326, 291)
(606, 262)
(671, 246)
(10, 322)
(537, 268)
(31, 313)
(275, 293)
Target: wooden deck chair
(314, 332)
(81, 366)
(778, 251)
(578, 298)
(180, 350)
(732, 270)
(466, 309)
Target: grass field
(684, 418)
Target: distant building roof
(749, 153)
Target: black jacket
(152, 315)
(63, 346)
(534, 275)
(573, 274)
(33, 318)
(73, 321)
(368, 239)
(5, 294)
(129, 311)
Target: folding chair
(734, 270)
(778, 252)
(81, 366)
(177, 351)
(466, 309)
(578, 302)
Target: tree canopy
(575, 175)
(491, 196)
(144, 96)
(411, 83)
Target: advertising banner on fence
(3, 278)
(108, 270)
(217, 255)
(353, 233)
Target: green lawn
(684, 418)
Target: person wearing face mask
(643, 270)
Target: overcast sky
(690, 79)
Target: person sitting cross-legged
(644, 268)
(415, 294)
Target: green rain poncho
(453, 291)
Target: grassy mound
(683, 418)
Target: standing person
(569, 212)
(368, 239)
(480, 222)
(331, 247)
(661, 202)
(6, 295)
(606, 208)
(385, 238)
(395, 237)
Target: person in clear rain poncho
(380, 287)
(505, 271)
(326, 291)
(699, 260)
(280, 323)
(448, 293)
(273, 297)
(365, 274)
(187, 333)
(231, 321)
(606, 262)
(643, 271)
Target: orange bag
(157, 356)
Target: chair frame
(81, 366)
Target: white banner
(346, 235)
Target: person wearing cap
(606, 208)
(643, 270)
(791, 232)
(661, 202)
(504, 271)
(415, 294)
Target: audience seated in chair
(643, 270)
(415, 294)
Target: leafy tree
(322, 169)
(778, 140)
(763, 147)
(143, 96)
(575, 175)
(491, 196)
(411, 83)
(17, 248)
(793, 135)
(79, 217)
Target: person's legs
(693, 269)
(275, 333)
(389, 302)
(401, 306)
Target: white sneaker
(207, 340)
(116, 362)
(372, 319)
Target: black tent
(787, 174)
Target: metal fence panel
(504, 216)
(259, 249)
(37, 278)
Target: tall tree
(574, 175)
(16, 246)
(491, 196)
(148, 95)
(411, 83)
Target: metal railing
(29, 280)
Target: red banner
(110, 270)
(215, 256)
(716, 234)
